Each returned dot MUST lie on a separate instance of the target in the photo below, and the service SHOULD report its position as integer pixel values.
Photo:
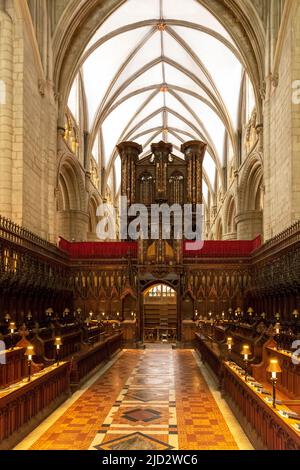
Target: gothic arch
(251, 183)
(81, 19)
(70, 184)
(229, 223)
(93, 204)
(219, 230)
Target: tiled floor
(153, 399)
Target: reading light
(246, 352)
(30, 352)
(12, 327)
(58, 343)
(274, 368)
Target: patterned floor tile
(137, 441)
(148, 400)
(140, 414)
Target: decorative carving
(251, 132)
(42, 87)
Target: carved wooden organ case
(162, 178)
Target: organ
(236, 289)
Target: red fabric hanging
(223, 249)
(114, 250)
(99, 249)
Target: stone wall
(278, 146)
(296, 119)
(30, 154)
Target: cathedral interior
(147, 338)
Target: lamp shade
(274, 366)
(30, 351)
(12, 326)
(58, 342)
(277, 328)
(250, 311)
(295, 313)
(229, 341)
(246, 351)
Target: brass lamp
(66, 312)
(277, 328)
(295, 314)
(276, 333)
(58, 343)
(30, 352)
(229, 344)
(246, 352)
(250, 312)
(49, 312)
(274, 368)
(12, 327)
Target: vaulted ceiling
(162, 70)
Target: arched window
(161, 290)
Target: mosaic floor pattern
(147, 400)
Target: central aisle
(152, 399)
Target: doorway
(160, 314)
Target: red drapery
(104, 250)
(223, 249)
(111, 250)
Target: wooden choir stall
(43, 365)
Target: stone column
(249, 225)
(229, 236)
(6, 114)
(73, 225)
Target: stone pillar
(249, 225)
(73, 225)
(129, 153)
(229, 236)
(6, 114)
